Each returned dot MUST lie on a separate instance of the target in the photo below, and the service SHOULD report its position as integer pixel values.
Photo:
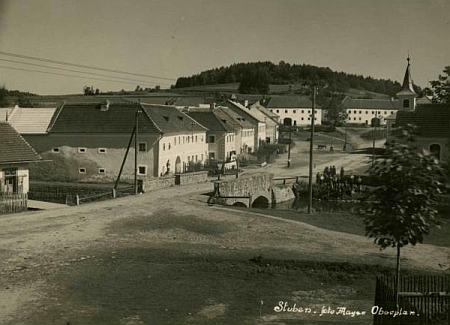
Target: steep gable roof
(169, 119)
(31, 120)
(242, 111)
(210, 120)
(91, 118)
(14, 148)
(431, 120)
(289, 102)
(229, 116)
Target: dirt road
(53, 262)
(166, 257)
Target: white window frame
(101, 150)
(102, 170)
(82, 150)
(56, 150)
(82, 170)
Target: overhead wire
(83, 72)
(66, 75)
(81, 65)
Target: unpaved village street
(166, 257)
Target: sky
(173, 38)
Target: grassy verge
(353, 224)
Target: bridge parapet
(245, 190)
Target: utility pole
(289, 149)
(136, 144)
(311, 147)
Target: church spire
(407, 86)
(407, 96)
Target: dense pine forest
(256, 77)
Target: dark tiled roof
(209, 120)
(14, 148)
(289, 102)
(431, 120)
(229, 116)
(90, 118)
(241, 111)
(350, 103)
(169, 119)
(191, 101)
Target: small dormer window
(180, 118)
(406, 103)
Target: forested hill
(255, 78)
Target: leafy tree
(335, 112)
(255, 82)
(403, 209)
(441, 87)
(3, 94)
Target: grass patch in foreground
(352, 223)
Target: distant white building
(293, 110)
(361, 111)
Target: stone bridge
(250, 191)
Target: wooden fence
(12, 202)
(422, 300)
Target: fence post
(77, 199)
(114, 194)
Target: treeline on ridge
(265, 73)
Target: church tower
(407, 96)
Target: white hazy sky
(173, 38)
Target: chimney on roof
(246, 103)
(105, 106)
(212, 105)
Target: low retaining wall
(191, 178)
(155, 183)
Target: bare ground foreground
(166, 257)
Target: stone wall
(191, 178)
(282, 193)
(161, 182)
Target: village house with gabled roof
(15, 157)
(293, 110)
(432, 128)
(244, 129)
(182, 144)
(94, 138)
(258, 121)
(220, 135)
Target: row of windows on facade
(142, 146)
(367, 112)
(295, 111)
(142, 170)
